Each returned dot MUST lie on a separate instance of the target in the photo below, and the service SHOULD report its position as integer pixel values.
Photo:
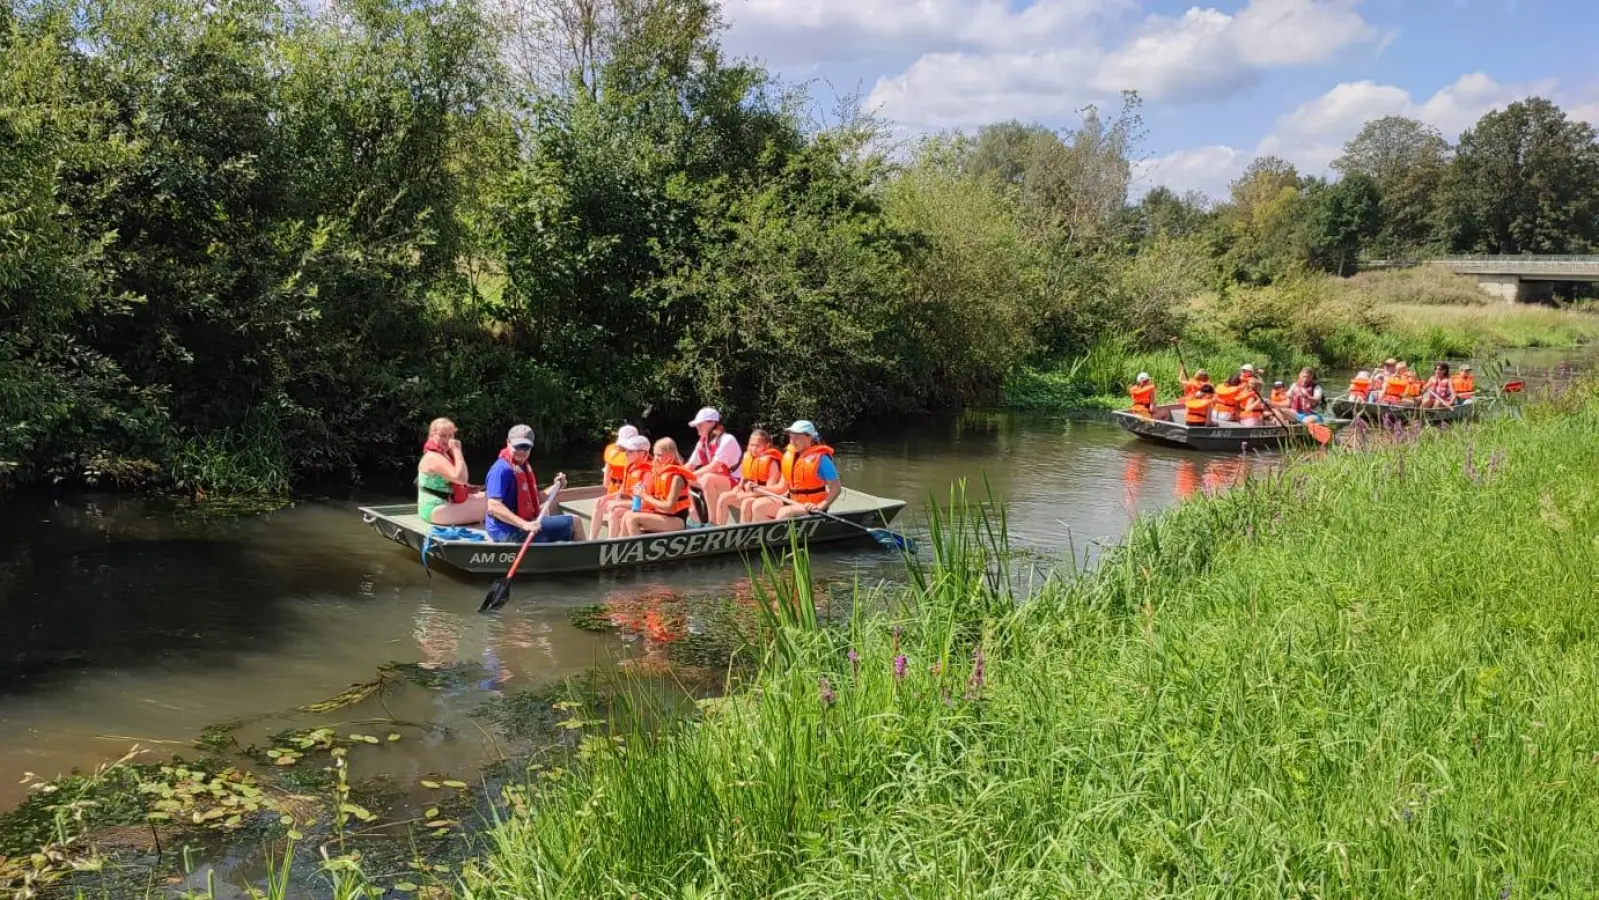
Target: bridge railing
(1514, 258)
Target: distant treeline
(246, 241)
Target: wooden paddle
(1513, 387)
(1320, 432)
(500, 591)
(884, 536)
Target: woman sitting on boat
(442, 494)
(1359, 387)
(1465, 385)
(614, 459)
(1191, 386)
(812, 478)
(608, 510)
(514, 502)
(762, 468)
(1438, 392)
(1143, 394)
(1252, 408)
(663, 496)
(1229, 397)
(1197, 409)
(715, 459)
(1393, 388)
(1380, 378)
(1304, 398)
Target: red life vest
(458, 492)
(527, 487)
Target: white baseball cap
(625, 432)
(1246, 367)
(803, 426)
(1143, 376)
(634, 442)
(520, 436)
(708, 414)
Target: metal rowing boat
(1164, 428)
(1377, 412)
(400, 523)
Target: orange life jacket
(1252, 407)
(757, 469)
(636, 474)
(1279, 396)
(662, 484)
(1228, 398)
(1360, 386)
(615, 468)
(1412, 387)
(1198, 410)
(805, 484)
(1393, 389)
(1465, 386)
(1191, 387)
(1143, 396)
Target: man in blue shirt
(808, 468)
(514, 501)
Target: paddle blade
(1320, 432)
(498, 593)
(893, 540)
(1515, 387)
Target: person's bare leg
(602, 513)
(637, 523)
(790, 511)
(714, 486)
(725, 505)
(613, 522)
(758, 509)
(472, 512)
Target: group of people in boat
(1241, 400)
(649, 488)
(1396, 385)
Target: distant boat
(1376, 412)
(1163, 429)
(400, 523)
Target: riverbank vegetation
(1261, 694)
(248, 243)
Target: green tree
(1525, 179)
(1341, 219)
(1262, 228)
(1407, 159)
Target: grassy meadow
(1369, 675)
(1421, 315)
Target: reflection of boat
(1376, 412)
(400, 524)
(1162, 429)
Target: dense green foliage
(1265, 693)
(249, 241)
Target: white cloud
(954, 90)
(1313, 134)
(1208, 170)
(1208, 53)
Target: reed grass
(1371, 675)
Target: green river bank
(1365, 674)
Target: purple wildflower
(854, 664)
(1494, 462)
(1504, 894)
(974, 684)
(1471, 464)
(900, 662)
(826, 689)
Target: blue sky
(1222, 81)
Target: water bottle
(638, 497)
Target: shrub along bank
(1366, 675)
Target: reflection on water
(125, 620)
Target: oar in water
(500, 591)
(1320, 432)
(884, 536)
(1513, 387)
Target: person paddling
(715, 459)
(1143, 394)
(1438, 392)
(1304, 398)
(514, 501)
(808, 468)
(663, 498)
(443, 496)
(762, 468)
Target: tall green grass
(1371, 675)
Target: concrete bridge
(1521, 278)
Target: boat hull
(400, 524)
(1376, 412)
(1211, 438)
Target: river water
(135, 621)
